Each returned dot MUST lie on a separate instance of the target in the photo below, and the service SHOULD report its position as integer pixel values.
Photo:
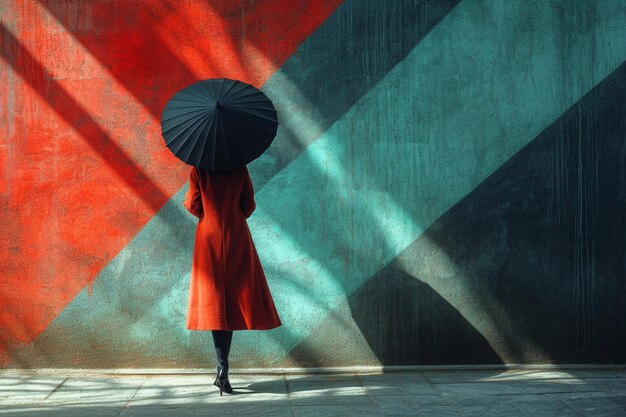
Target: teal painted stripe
(479, 87)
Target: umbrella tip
(217, 106)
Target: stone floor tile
(95, 390)
(549, 407)
(497, 409)
(427, 400)
(611, 385)
(402, 402)
(341, 391)
(391, 385)
(18, 390)
(527, 376)
(395, 406)
(399, 411)
(620, 400)
(439, 411)
(601, 373)
(334, 411)
(466, 393)
(62, 411)
(174, 391)
(204, 410)
(480, 388)
(441, 376)
(558, 386)
(596, 407)
(465, 376)
(353, 397)
(296, 382)
(322, 377)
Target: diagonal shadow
(536, 243)
(29, 68)
(102, 49)
(33, 73)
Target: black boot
(222, 339)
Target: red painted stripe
(84, 163)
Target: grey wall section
(540, 243)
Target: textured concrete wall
(447, 183)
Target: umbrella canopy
(219, 124)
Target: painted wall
(446, 186)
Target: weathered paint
(344, 207)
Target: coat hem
(235, 328)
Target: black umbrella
(218, 124)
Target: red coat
(228, 289)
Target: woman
(228, 290)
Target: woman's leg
(222, 340)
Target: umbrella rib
(199, 135)
(226, 96)
(208, 94)
(243, 131)
(186, 123)
(252, 127)
(218, 95)
(227, 157)
(252, 105)
(202, 110)
(255, 117)
(193, 98)
(183, 104)
(181, 145)
(190, 93)
(214, 143)
(234, 95)
(178, 107)
(173, 138)
(176, 144)
(204, 135)
(186, 150)
(250, 94)
(241, 94)
(251, 113)
(253, 99)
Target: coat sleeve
(193, 199)
(246, 201)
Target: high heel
(222, 381)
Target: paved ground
(580, 392)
